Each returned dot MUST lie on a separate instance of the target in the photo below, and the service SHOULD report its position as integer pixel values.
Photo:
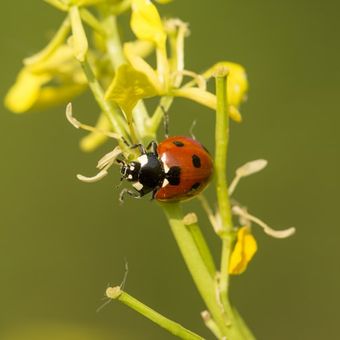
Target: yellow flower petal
(244, 250)
(142, 66)
(129, 86)
(50, 96)
(25, 92)
(237, 83)
(52, 46)
(86, 2)
(146, 22)
(79, 41)
(205, 98)
(141, 48)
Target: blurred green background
(63, 241)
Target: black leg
(120, 161)
(154, 192)
(125, 192)
(140, 147)
(153, 147)
(125, 141)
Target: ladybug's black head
(130, 171)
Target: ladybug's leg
(120, 161)
(131, 193)
(140, 147)
(153, 147)
(154, 192)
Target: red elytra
(195, 166)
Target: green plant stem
(202, 247)
(192, 257)
(171, 326)
(221, 149)
(115, 51)
(92, 21)
(211, 324)
(248, 335)
(109, 109)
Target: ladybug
(176, 169)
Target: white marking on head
(138, 186)
(143, 160)
(132, 167)
(130, 177)
(165, 183)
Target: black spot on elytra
(196, 161)
(178, 143)
(195, 186)
(173, 175)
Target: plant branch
(171, 326)
(221, 149)
(190, 221)
(110, 110)
(116, 55)
(197, 268)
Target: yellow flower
(244, 250)
(128, 87)
(146, 22)
(50, 81)
(237, 86)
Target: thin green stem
(171, 326)
(113, 42)
(221, 149)
(224, 209)
(211, 216)
(92, 21)
(211, 324)
(116, 55)
(202, 247)
(110, 110)
(246, 332)
(192, 257)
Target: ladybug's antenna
(165, 121)
(191, 130)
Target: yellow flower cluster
(54, 75)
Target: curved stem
(110, 110)
(171, 326)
